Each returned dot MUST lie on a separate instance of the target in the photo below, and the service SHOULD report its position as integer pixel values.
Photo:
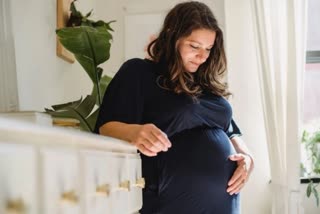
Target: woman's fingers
(241, 171)
(236, 187)
(152, 139)
(237, 184)
(155, 143)
(146, 151)
(162, 138)
(237, 174)
(149, 145)
(157, 137)
(236, 157)
(239, 177)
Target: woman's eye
(194, 47)
(208, 50)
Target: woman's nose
(202, 55)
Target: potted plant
(311, 141)
(89, 41)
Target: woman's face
(195, 48)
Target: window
(311, 100)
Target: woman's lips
(195, 64)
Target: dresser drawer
(61, 181)
(18, 179)
(106, 182)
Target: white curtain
(280, 29)
(8, 78)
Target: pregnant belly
(197, 162)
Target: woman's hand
(241, 174)
(149, 139)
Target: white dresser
(49, 170)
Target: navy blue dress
(191, 177)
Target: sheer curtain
(8, 77)
(280, 28)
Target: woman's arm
(242, 148)
(148, 138)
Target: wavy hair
(180, 22)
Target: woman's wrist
(251, 162)
(132, 132)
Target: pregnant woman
(173, 108)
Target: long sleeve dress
(192, 176)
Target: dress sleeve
(233, 130)
(123, 99)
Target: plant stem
(98, 86)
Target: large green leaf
(91, 46)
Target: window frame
(313, 57)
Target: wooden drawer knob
(125, 185)
(140, 183)
(103, 190)
(69, 197)
(15, 207)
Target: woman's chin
(192, 70)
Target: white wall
(43, 78)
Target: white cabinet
(18, 179)
(45, 170)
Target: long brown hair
(180, 22)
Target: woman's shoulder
(139, 63)
(137, 67)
